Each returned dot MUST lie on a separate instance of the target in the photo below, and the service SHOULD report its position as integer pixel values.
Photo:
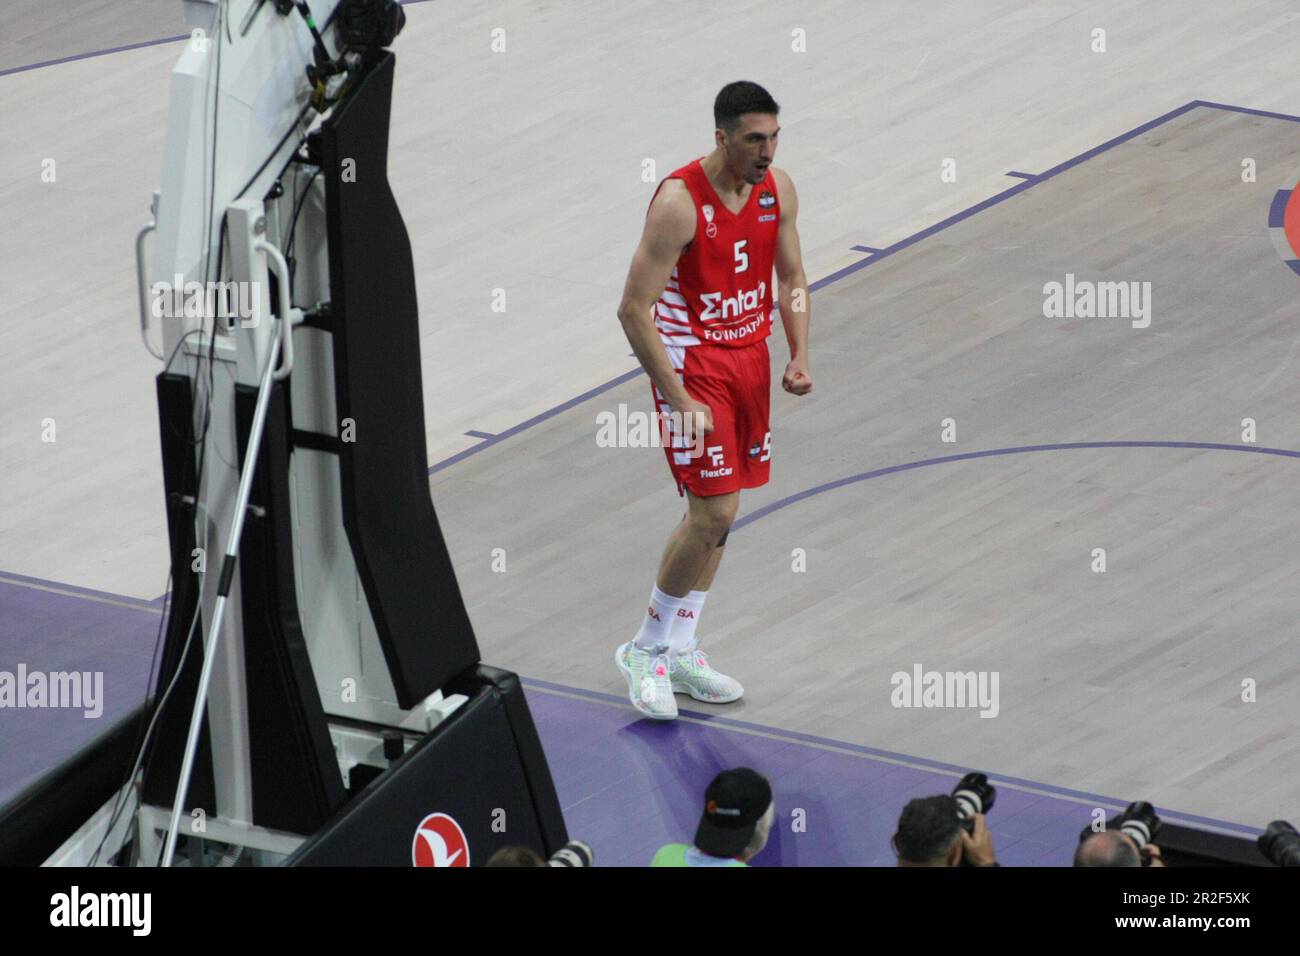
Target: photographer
(737, 819)
(1115, 848)
(930, 833)
(1124, 840)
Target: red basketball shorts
(736, 384)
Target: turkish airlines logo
(439, 841)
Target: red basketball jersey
(720, 292)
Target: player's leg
(690, 561)
(707, 473)
(691, 552)
(749, 377)
(689, 557)
(689, 667)
(682, 639)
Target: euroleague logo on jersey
(766, 200)
(439, 841)
(711, 229)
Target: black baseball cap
(734, 803)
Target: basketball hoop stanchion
(341, 577)
(223, 594)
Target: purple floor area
(43, 630)
(627, 785)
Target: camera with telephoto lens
(1281, 844)
(1138, 821)
(573, 853)
(974, 794)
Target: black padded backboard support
(482, 766)
(295, 776)
(180, 485)
(388, 514)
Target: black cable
(296, 123)
(275, 150)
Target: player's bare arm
(792, 288)
(669, 228)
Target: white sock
(658, 622)
(682, 640)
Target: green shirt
(683, 854)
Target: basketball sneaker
(692, 674)
(648, 684)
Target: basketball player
(697, 308)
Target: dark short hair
(927, 829)
(736, 99)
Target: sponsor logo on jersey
(717, 308)
(708, 213)
(754, 449)
(717, 473)
(766, 199)
(711, 230)
(733, 332)
(768, 218)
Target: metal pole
(223, 590)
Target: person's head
(746, 119)
(1108, 848)
(929, 833)
(515, 856)
(738, 815)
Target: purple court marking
(1277, 208)
(536, 420)
(93, 53)
(989, 453)
(51, 631)
(23, 580)
(880, 254)
(1289, 117)
(1020, 175)
(626, 785)
(934, 766)
(472, 433)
